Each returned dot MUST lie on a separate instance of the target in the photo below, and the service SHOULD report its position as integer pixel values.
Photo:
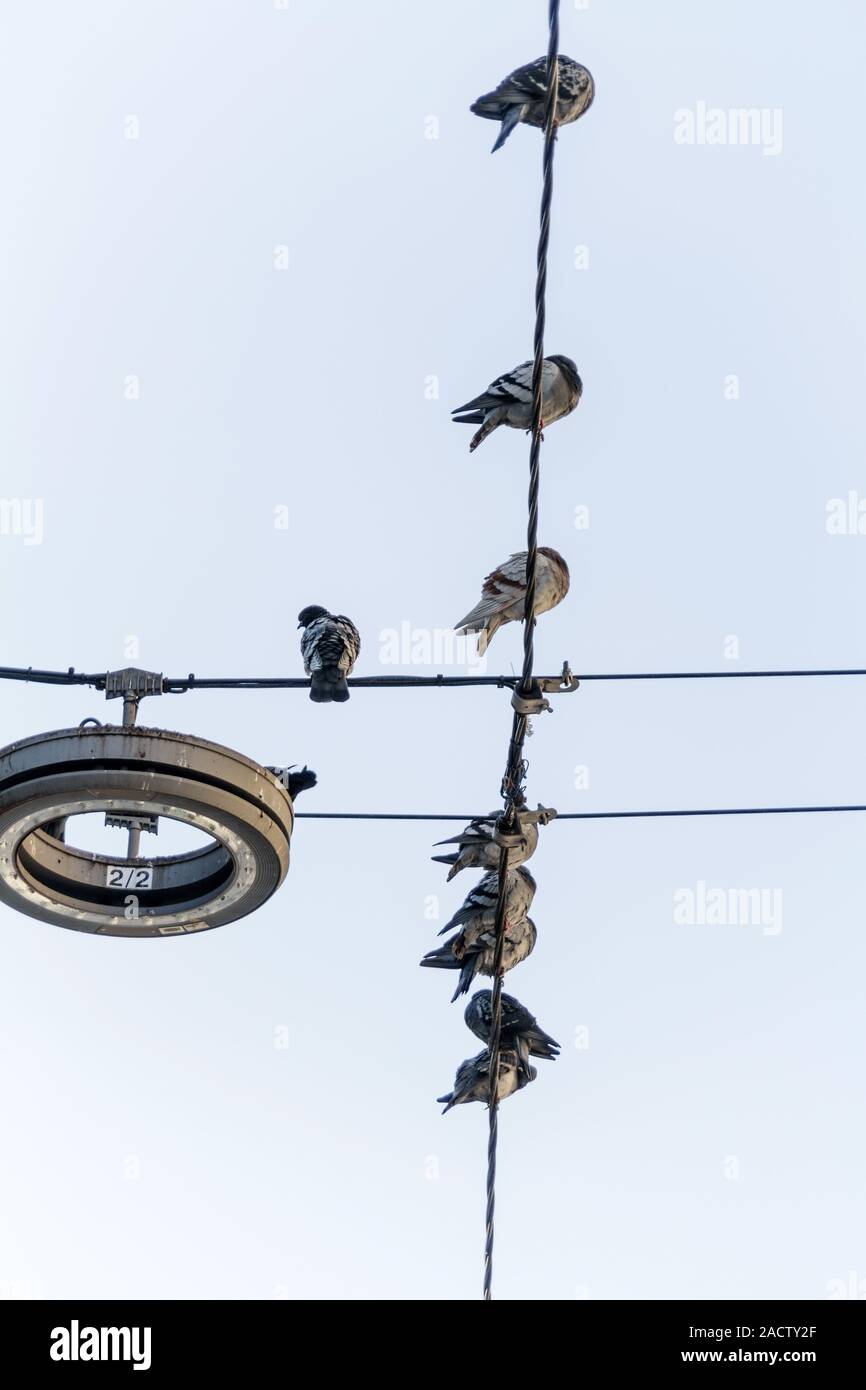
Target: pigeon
(479, 906)
(472, 952)
(294, 782)
(522, 96)
(503, 594)
(519, 1030)
(508, 399)
(472, 1081)
(477, 849)
(330, 647)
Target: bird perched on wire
(503, 593)
(522, 96)
(472, 951)
(472, 1081)
(477, 849)
(519, 1030)
(479, 905)
(294, 782)
(330, 647)
(508, 399)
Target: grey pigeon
(472, 1081)
(519, 1030)
(472, 951)
(503, 593)
(330, 647)
(477, 849)
(293, 781)
(522, 96)
(479, 905)
(508, 399)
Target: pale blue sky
(309, 1172)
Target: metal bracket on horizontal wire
(534, 702)
(563, 684)
(131, 685)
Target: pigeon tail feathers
(467, 975)
(327, 685)
(512, 117)
(489, 425)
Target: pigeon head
(569, 371)
(310, 614)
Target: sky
(254, 255)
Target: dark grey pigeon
(330, 647)
(522, 96)
(293, 780)
(519, 1031)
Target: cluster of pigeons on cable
(508, 400)
(330, 643)
(472, 951)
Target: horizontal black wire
(722, 675)
(179, 685)
(587, 815)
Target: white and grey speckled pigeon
(503, 594)
(522, 96)
(330, 647)
(508, 399)
(520, 1030)
(472, 1081)
(479, 905)
(472, 951)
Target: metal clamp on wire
(563, 684)
(509, 839)
(522, 817)
(542, 816)
(534, 703)
(132, 681)
(131, 685)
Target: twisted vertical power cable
(512, 783)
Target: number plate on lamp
(128, 876)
